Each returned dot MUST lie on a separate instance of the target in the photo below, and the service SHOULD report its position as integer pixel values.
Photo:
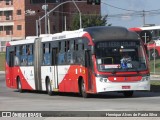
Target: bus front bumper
(106, 86)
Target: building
(18, 17)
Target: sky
(129, 13)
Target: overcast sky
(129, 13)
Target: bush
(2, 61)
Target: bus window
(29, 49)
(43, 48)
(68, 53)
(59, 46)
(74, 45)
(72, 52)
(23, 55)
(30, 54)
(67, 47)
(24, 50)
(10, 56)
(110, 56)
(17, 56)
(7, 55)
(46, 54)
(61, 54)
(82, 46)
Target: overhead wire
(135, 13)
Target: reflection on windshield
(120, 56)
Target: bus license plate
(126, 87)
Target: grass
(157, 66)
(155, 82)
(2, 61)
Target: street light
(45, 8)
(80, 16)
(47, 13)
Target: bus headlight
(103, 80)
(145, 78)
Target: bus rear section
(19, 65)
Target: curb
(155, 76)
(2, 72)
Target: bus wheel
(128, 93)
(49, 88)
(19, 85)
(83, 90)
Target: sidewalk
(2, 72)
(155, 77)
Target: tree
(89, 21)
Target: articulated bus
(87, 61)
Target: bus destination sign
(116, 44)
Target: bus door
(11, 67)
(88, 65)
(55, 69)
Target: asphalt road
(11, 100)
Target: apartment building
(18, 17)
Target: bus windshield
(124, 55)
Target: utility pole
(38, 22)
(65, 23)
(45, 18)
(45, 8)
(80, 16)
(144, 22)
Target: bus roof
(110, 33)
(18, 42)
(145, 28)
(97, 33)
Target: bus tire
(128, 93)
(49, 88)
(19, 85)
(83, 90)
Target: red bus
(153, 46)
(155, 30)
(86, 61)
(154, 49)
